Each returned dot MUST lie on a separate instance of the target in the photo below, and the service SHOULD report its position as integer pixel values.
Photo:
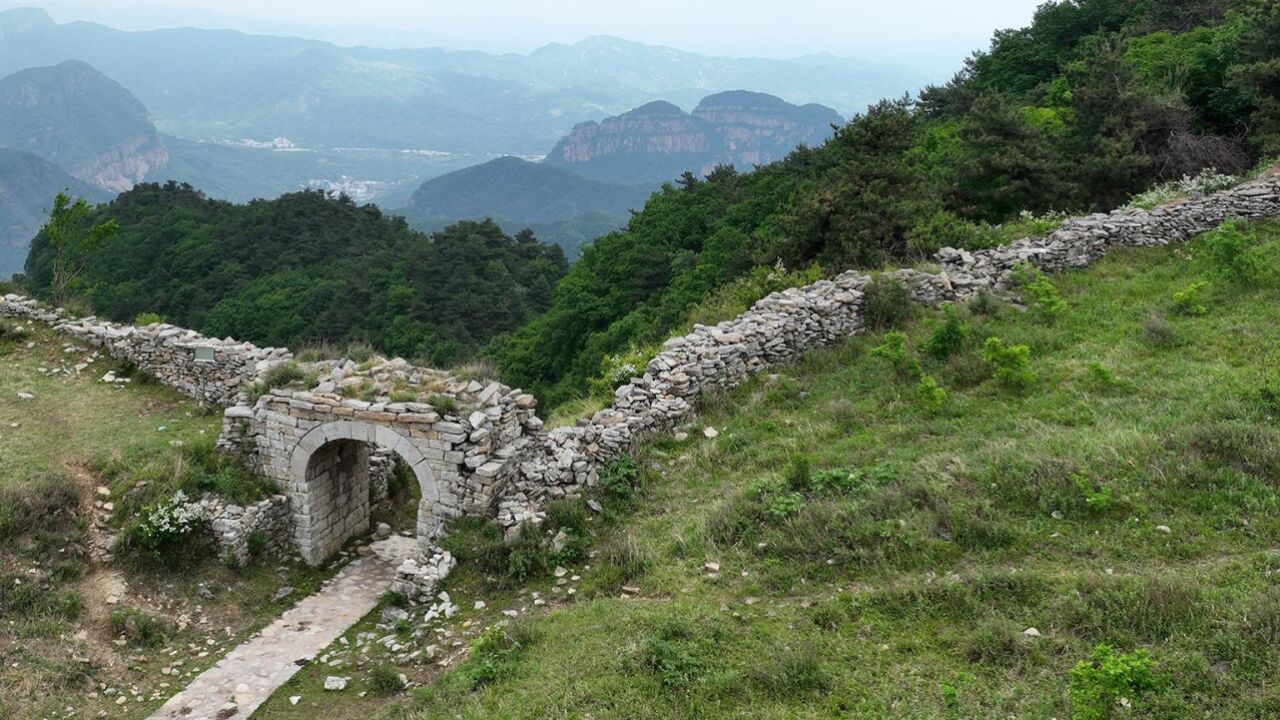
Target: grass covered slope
(883, 550)
(81, 459)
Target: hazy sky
(858, 28)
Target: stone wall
(233, 526)
(785, 325)
(463, 449)
(207, 369)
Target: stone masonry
(464, 450)
(204, 368)
(478, 448)
(784, 325)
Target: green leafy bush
(1010, 364)
(931, 395)
(949, 338)
(1098, 684)
(1040, 294)
(384, 680)
(443, 404)
(893, 348)
(171, 533)
(618, 479)
(1232, 251)
(1191, 301)
(148, 318)
(887, 303)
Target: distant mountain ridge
(82, 121)
(520, 190)
(322, 95)
(659, 141)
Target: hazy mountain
(659, 141)
(28, 184)
(82, 121)
(560, 206)
(520, 190)
(318, 94)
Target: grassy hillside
(849, 545)
(79, 457)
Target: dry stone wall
(785, 325)
(234, 526)
(207, 369)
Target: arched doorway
(329, 486)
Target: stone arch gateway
(328, 485)
(315, 444)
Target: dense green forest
(309, 268)
(1094, 102)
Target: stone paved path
(236, 685)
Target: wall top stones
(208, 369)
(784, 325)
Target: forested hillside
(28, 184)
(1094, 102)
(310, 268)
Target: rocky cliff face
(659, 141)
(82, 121)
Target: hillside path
(236, 685)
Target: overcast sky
(884, 29)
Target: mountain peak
(24, 19)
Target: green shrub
(1039, 293)
(617, 370)
(361, 352)
(1010, 365)
(784, 505)
(10, 333)
(887, 303)
(931, 395)
(1191, 301)
(1102, 377)
(148, 318)
(893, 348)
(1233, 253)
(280, 376)
(171, 533)
(495, 655)
(1097, 684)
(949, 337)
(985, 304)
(1098, 499)
(527, 557)
(618, 480)
(384, 680)
(138, 628)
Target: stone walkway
(236, 685)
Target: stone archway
(329, 486)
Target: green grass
(881, 556)
(60, 644)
